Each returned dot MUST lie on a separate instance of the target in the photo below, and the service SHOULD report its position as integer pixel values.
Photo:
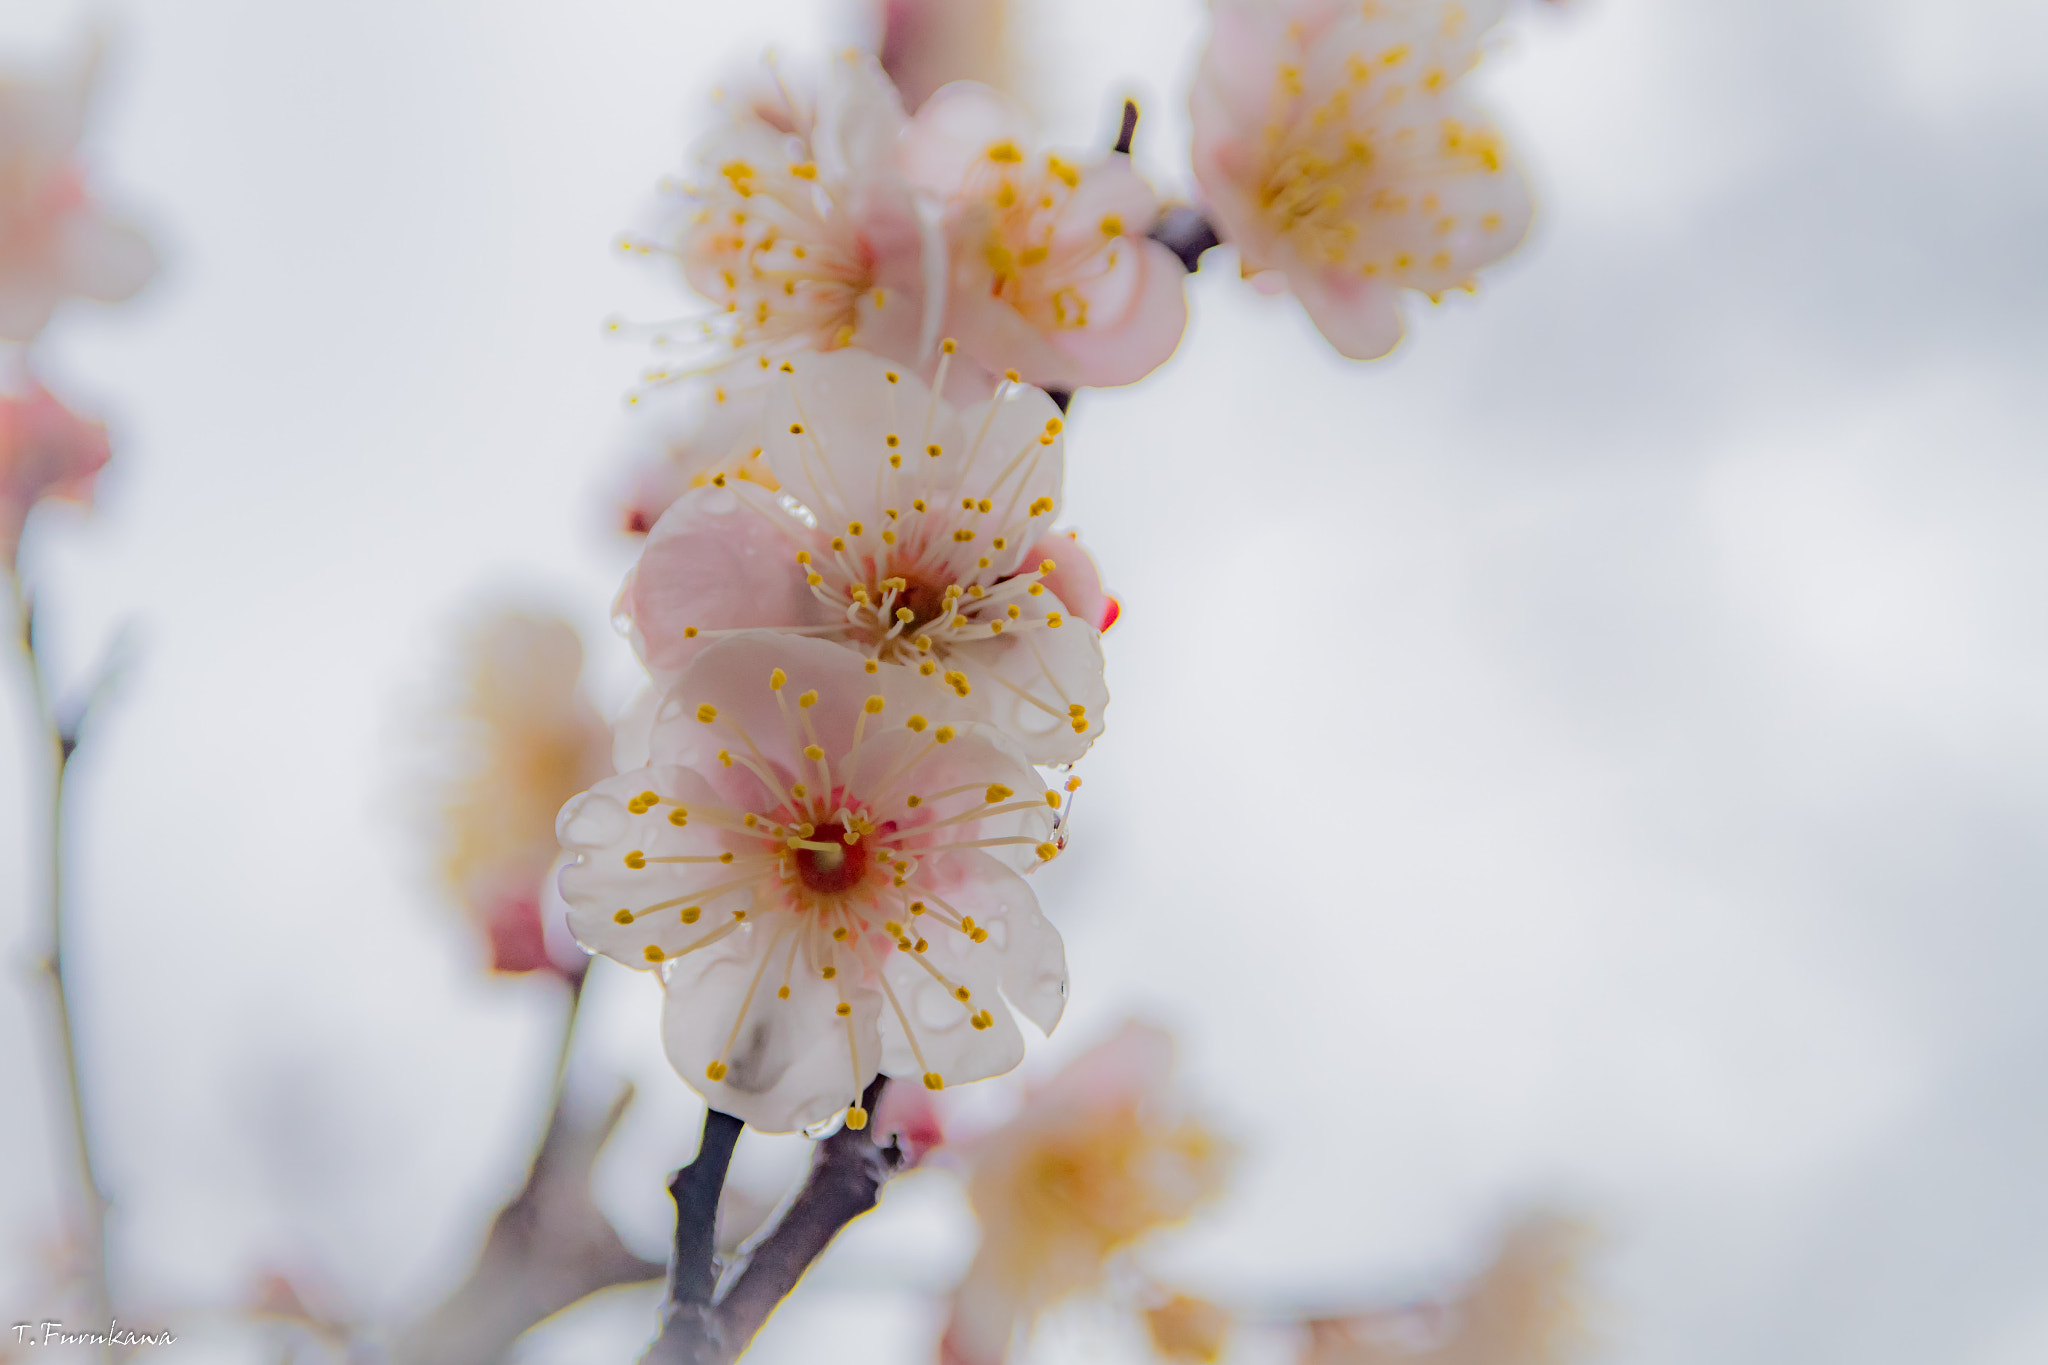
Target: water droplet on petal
(623, 623)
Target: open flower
(800, 230)
(46, 451)
(1052, 273)
(1336, 146)
(530, 740)
(1522, 1310)
(926, 44)
(906, 529)
(1093, 1162)
(824, 870)
(55, 242)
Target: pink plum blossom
(46, 451)
(1052, 275)
(55, 240)
(1096, 1159)
(1338, 149)
(823, 869)
(798, 228)
(930, 43)
(905, 528)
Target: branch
(1187, 233)
(846, 1176)
(692, 1276)
(1129, 127)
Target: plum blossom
(1052, 274)
(1338, 148)
(530, 741)
(908, 529)
(1522, 1310)
(55, 240)
(800, 231)
(929, 43)
(712, 431)
(46, 451)
(1095, 1160)
(823, 869)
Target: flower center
(837, 867)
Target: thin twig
(63, 740)
(1187, 233)
(692, 1276)
(1127, 129)
(846, 1176)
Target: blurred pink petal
(46, 451)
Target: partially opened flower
(1094, 1161)
(824, 870)
(1052, 274)
(1523, 1309)
(906, 529)
(46, 451)
(55, 240)
(529, 740)
(800, 230)
(1337, 147)
(712, 431)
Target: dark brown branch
(846, 1176)
(1187, 233)
(692, 1278)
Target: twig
(692, 1276)
(547, 1249)
(63, 739)
(1187, 233)
(846, 1176)
(1127, 129)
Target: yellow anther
(829, 972)
(804, 170)
(776, 678)
(1046, 566)
(798, 790)
(839, 934)
(856, 1117)
(917, 504)
(1080, 725)
(919, 946)
(979, 935)
(1012, 376)
(905, 615)
(622, 917)
(961, 993)
(1052, 798)
(796, 428)
(838, 542)
(893, 439)
(843, 1009)
(875, 704)
(917, 907)
(679, 817)
(689, 632)
(891, 376)
(814, 579)
(803, 556)
(707, 713)
(813, 752)
(935, 450)
(751, 820)
(1054, 426)
(1013, 611)
(1047, 852)
(690, 914)
(870, 666)
(715, 1072)
(923, 643)
(1055, 620)
(914, 801)
(1076, 709)
(995, 627)
(636, 860)
(998, 792)
(1005, 151)
(1073, 784)
(984, 506)
(1112, 226)
(916, 723)
(1035, 590)
(725, 757)
(1069, 176)
(809, 698)
(652, 953)
(949, 345)
(726, 856)
(853, 528)
(934, 1081)
(782, 992)
(944, 734)
(739, 915)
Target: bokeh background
(1597, 758)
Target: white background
(1594, 759)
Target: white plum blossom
(824, 870)
(1051, 273)
(908, 529)
(55, 241)
(799, 229)
(1337, 147)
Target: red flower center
(839, 867)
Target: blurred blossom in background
(1591, 761)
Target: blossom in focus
(800, 231)
(46, 451)
(712, 431)
(823, 868)
(1522, 1310)
(55, 240)
(1337, 147)
(908, 529)
(1092, 1163)
(930, 43)
(1052, 274)
(530, 740)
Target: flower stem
(846, 1177)
(63, 741)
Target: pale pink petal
(1360, 318)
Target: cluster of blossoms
(55, 243)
